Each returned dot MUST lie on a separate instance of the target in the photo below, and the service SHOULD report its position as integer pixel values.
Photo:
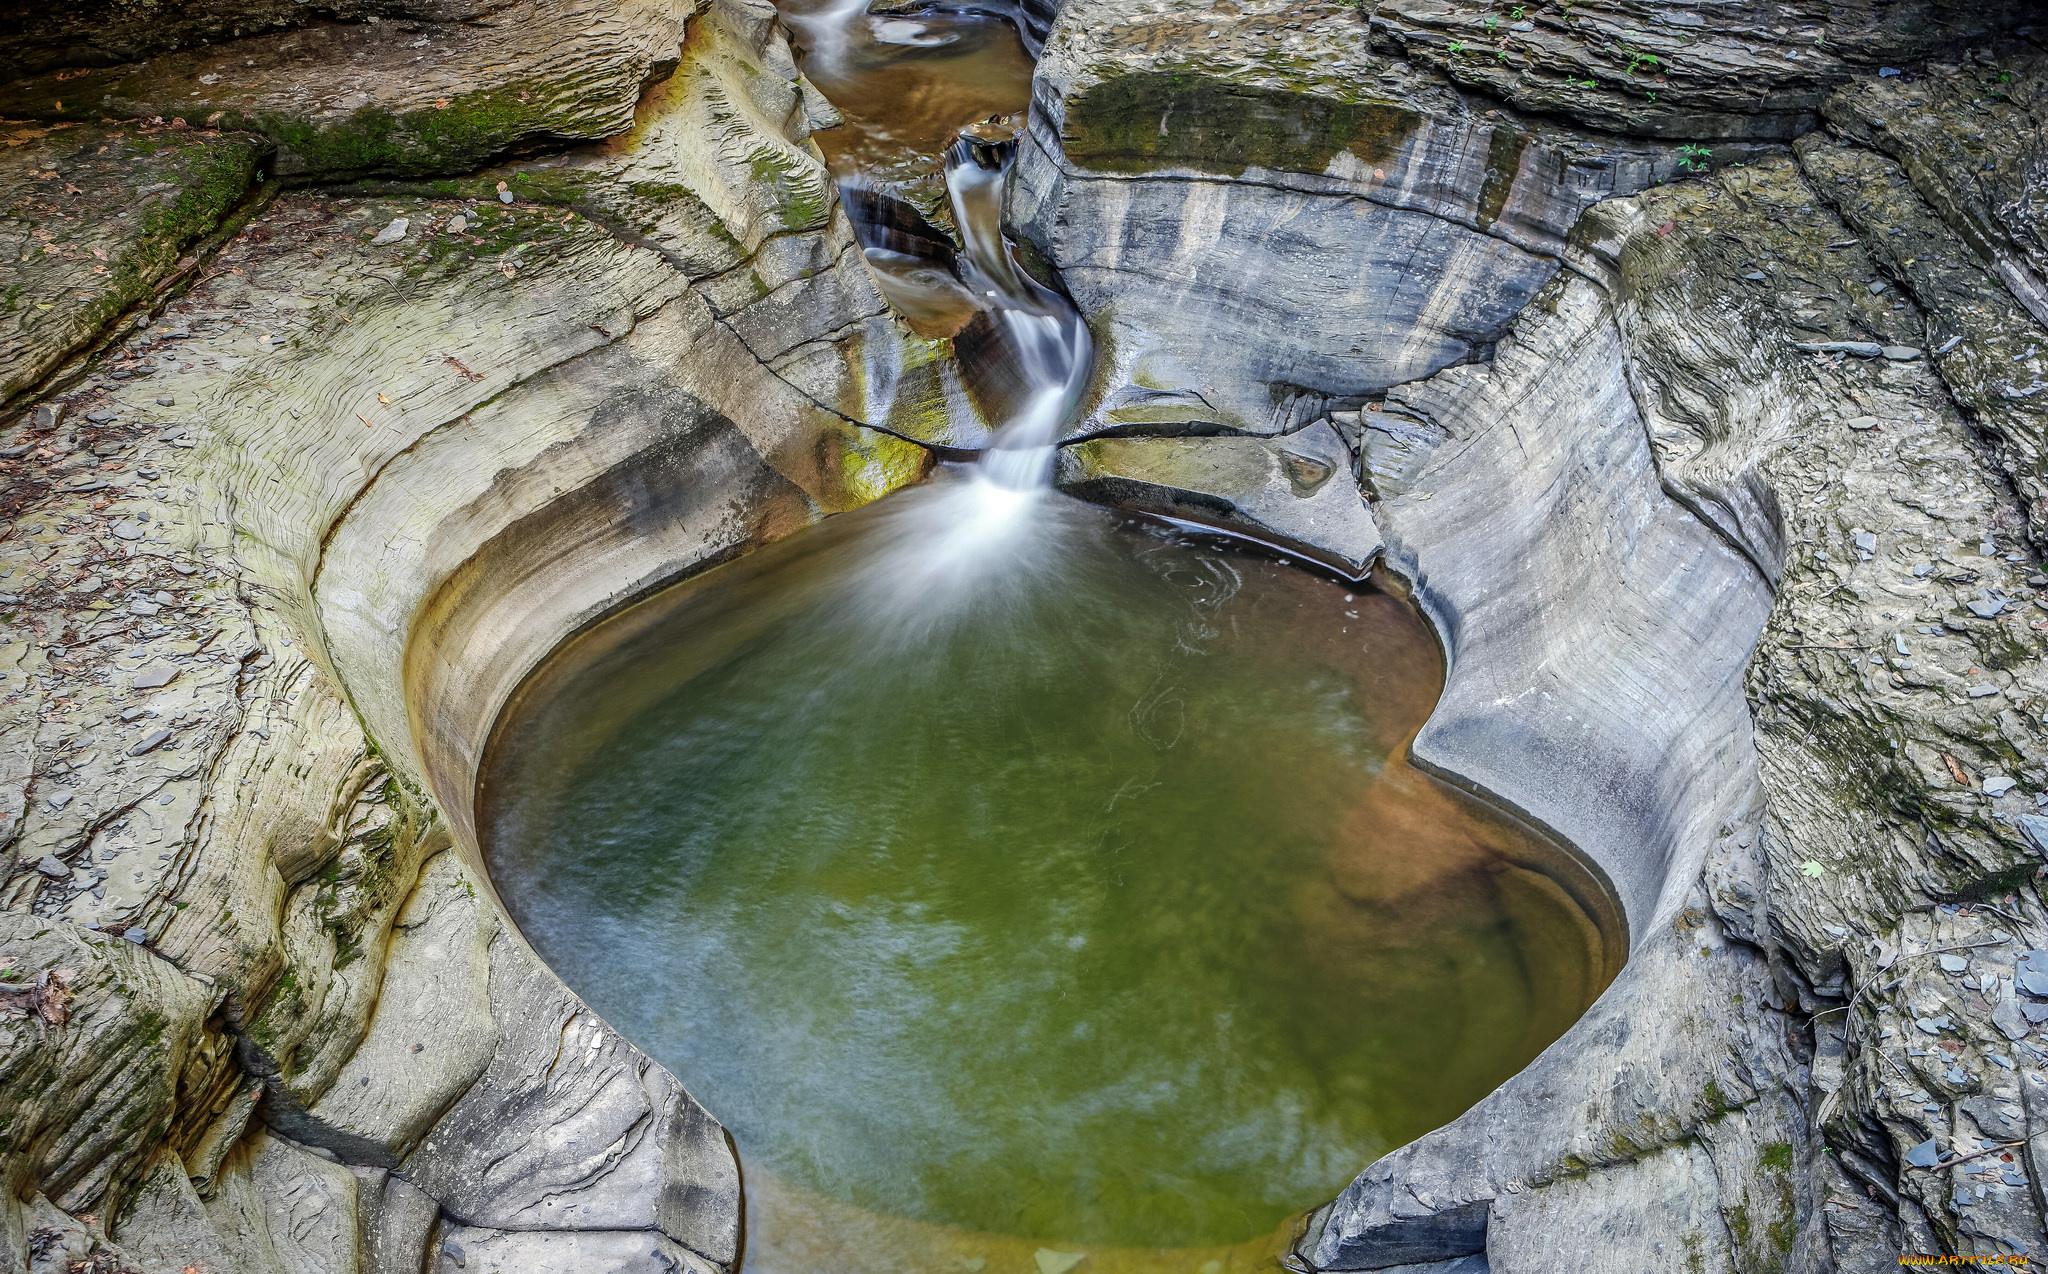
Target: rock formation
(1686, 361)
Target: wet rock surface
(1295, 491)
(408, 97)
(1718, 463)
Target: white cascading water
(972, 538)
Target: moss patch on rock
(1147, 120)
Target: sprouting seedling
(1694, 157)
(1586, 84)
(1457, 46)
(1516, 16)
(1650, 95)
(1637, 61)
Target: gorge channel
(1005, 872)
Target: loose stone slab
(1294, 492)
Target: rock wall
(1722, 495)
(276, 554)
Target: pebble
(1901, 353)
(1983, 692)
(1999, 785)
(51, 867)
(2035, 828)
(60, 800)
(153, 739)
(161, 676)
(129, 714)
(142, 606)
(1757, 276)
(1956, 1075)
(1954, 963)
(127, 530)
(137, 935)
(1866, 542)
(457, 224)
(1934, 1025)
(1924, 1155)
(100, 415)
(1878, 286)
(1986, 607)
(166, 400)
(391, 233)
(505, 196)
(1861, 349)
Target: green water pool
(1093, 904)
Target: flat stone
(1901, 353)
(53, 868)
(1924, 1155)
(390, 234)
(142, 606)
(1863, 423)
(166, 400)
(2032, 982)
(1861, 349)
(1954, 964)
(1983, 692)
(136, 935)
(1294, 492)
(100, 415)
(2035, 829)
(1999, 785)
(151, 678)
(153, 739)
(127, 530)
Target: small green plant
(1586, 84)
(1695, 158)
(1636, 61)
(1516, 16)
(1457, 46)
(1491, 23)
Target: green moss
(1503, 162)
(1777, 1156)
(1150, 120)
(1738, 1223)
(802, 202)
(471, 129)
(1717, 1101)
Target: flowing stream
(1021, 883)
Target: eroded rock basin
(1081, 897)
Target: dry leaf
(1955, 769)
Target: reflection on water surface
(1091, 906)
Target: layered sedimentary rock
(1790, 458)
(441, 94)
(273, 1016)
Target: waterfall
(981, 535)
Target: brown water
(906, 85)
(1089, 905)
